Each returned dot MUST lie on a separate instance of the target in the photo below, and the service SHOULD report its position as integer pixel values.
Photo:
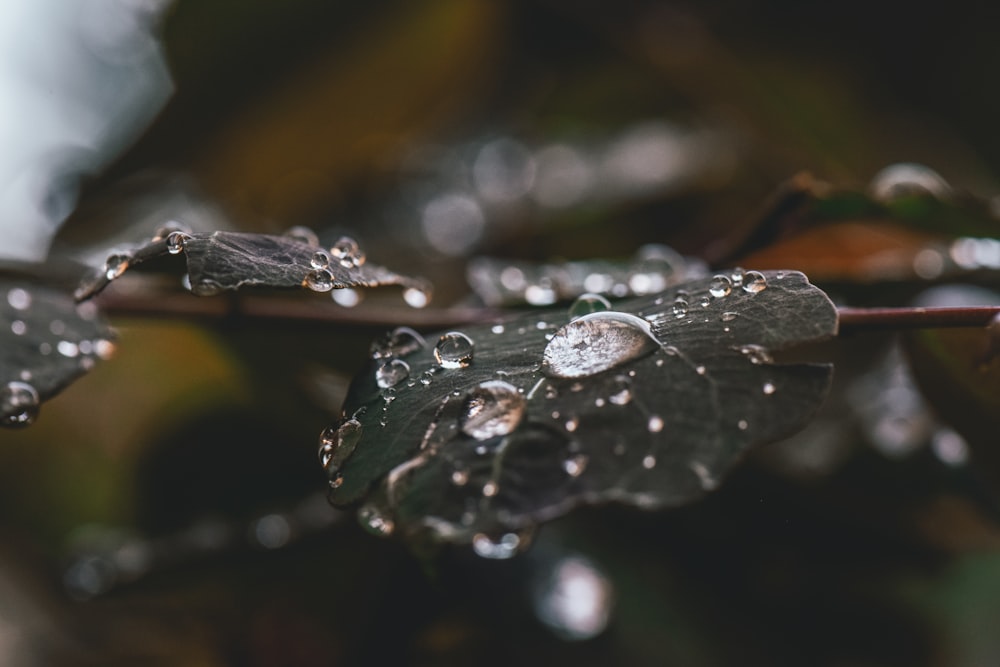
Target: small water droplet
(659, 362)
(757, 354)
(176, 242)
(19, 299)
(621, 392)
(18, 327)
(320, 260)
(768, 388)
(540, 295)
(454, 350)
(728, 316)
(720, 286)
(416, 297)
(588, 303)
(541, 325)
(68, 348)
(391, 373)
(649, 462)
(104, 349)
(596, 342)
(460, 477)
(490, 489)
(736, 276)
(655, 424)
(492, 409)
(376, 523)
(754, 282)
(700, 370)
(346, 297)
(572, 423)
(19, 403)
(347, 252)
(337, 444)
(319, 280)
(506, 546)
(497, 329)
(551, 392)
(599, 402)
(116, 265)
(575, 465)
(780, 275)
(302, 234)
(705, 301)
(742, 424)
(680, 308)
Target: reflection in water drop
(621, 391)
(596, 342)
(754, 282)
(728, 316)
(588, 303)
(575, 599)
(18, 404)
(392, 373)
(454, 350)
(506, 546)
(720, 286)
(492, 409)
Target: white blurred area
(79, 80)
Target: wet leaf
(495, 428)
(46, 342)
(222, 261)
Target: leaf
(221, 261)
(46, 342)
(485, 432)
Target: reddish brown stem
(854, 320)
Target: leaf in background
(480, 434)
(222, 261)
(46, 342)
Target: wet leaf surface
(223, 261)
(492, 429)
(46, 342)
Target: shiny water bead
(680, 307)
(176, 242)
(596, 342)
(19, 403)
(347, 252)
(754, 282)
(720, 286)
(492, 409)
(116, 265)
(454, 350)
(391, 373)
(319, 280)
(588, 303)
(320, 260)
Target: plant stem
(856, 320)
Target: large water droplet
(596, 342)
(399, 342)
(337, 444)
(505, 546)
(454, 350)
(18, 404)
(392, 373)
(754, 282)
(374, 521)
(588, 303)
(176, 242)
(720, 286)
(492, 409)
(319, 280)
(347, 252)
(116, 265)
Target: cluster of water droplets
(345, 253)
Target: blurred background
(168, 508)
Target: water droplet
(720, 286)
(551, 392)
(337, 444)
(19, 299)
(728, 316)
(780, 275)
(460, 477)
(768, 388)
(621, 392)
(680, 308)
(596, 342)
(392, 373)
(736, 276)
(416, 297)
(319, 280)
(497, 329)
(320, 260)
(18, 404)
(599, 402)
(400, 342)
(492, 409)
(655, 424)
(454, 350)
(346, 297)
(540, 295)
(116, 265)
(755, 282)
(756, 354)
(649, 462)
(490, 489)
(68, 348)
(302, 235)
(104, 349)
(742, 424)
(575, 465)
(18, 328)
(705, 301)
(572, 423)
(506, 546)
(176, 242)
(374, 521)
(700, 370)
(347, 252)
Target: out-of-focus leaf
(222, 261)
(495, 428)
(46, 342)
